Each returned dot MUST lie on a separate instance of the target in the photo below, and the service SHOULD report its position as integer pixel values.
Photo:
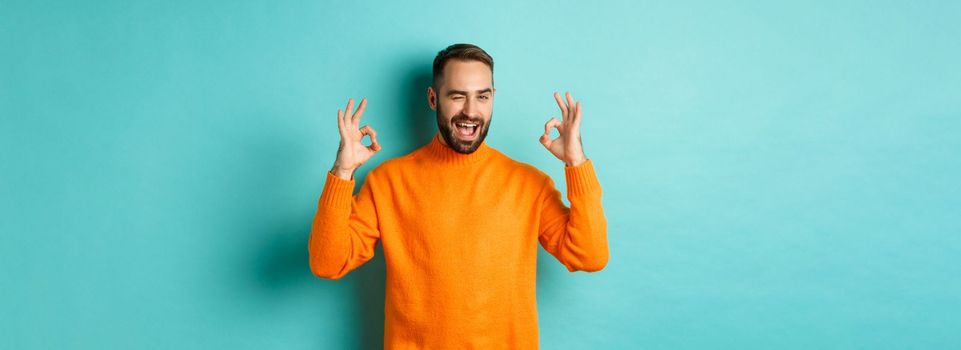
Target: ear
(432, 98)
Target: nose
(472, 108)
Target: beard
(458, 145)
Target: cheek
(450, 109)
(443, 112)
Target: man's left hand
(567, 146)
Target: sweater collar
(446, 155)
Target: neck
(440, 150)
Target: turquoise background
(776, 175)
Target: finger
(560, 103)
(577, 115)
(368, 130)
(546, 141)
(553, 122)
(349, 112)
(570, 104)
(546, 137)
(374, 145)
(360, 111)
(340, 121)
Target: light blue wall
(776, 176)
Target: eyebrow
(462, 92)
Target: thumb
(546, 138)
(369, 131)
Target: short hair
(465, 52)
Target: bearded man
(459, 221)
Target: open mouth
(466, 130)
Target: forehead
(466, 75)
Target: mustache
(463, 118)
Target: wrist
(575, 162)
(346, 174)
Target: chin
(460, 145)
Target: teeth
(466, 125)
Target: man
(459, 221)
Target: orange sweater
(459, 235)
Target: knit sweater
(459, 234)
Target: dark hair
(466, 52)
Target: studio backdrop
(776, 175)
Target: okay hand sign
(352, 153)
(566, 147)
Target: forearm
(329, 243)
(586, 226)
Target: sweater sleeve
(576, 236)
(344, 232)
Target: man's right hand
(352, 153)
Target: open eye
(485, 97)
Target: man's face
(464, 103)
